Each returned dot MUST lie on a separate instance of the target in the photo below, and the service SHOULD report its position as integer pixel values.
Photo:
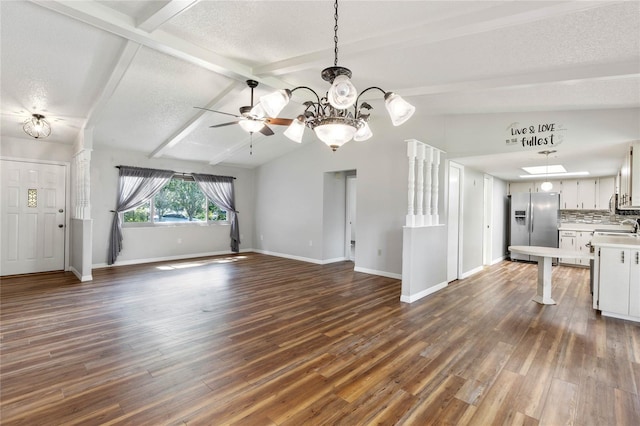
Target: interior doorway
(454, 258)
(350, 218)
(487, 231)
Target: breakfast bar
(544, 256)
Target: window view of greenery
(179, 201)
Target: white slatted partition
(423, 184)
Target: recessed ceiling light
(542, 170)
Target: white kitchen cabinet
(567, 241)
(587, 193)
(515, 187)
(569, 197)
(606, 189)
(619, 281)
(578, 194)
(629, 195)
(634, 284)
(582, 239)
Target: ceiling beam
(506, 14)
(106, 19)
(192, 124)
(127, 55)
(568, 75)
(168, 11)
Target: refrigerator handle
(531, 215)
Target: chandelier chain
(335, 34)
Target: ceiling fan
(252, 119)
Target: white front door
(32, 210)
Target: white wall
(289, 195)
(35, 149)
(486, 134)
(165, 242)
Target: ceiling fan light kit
(37, 127)
(329, 117)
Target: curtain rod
(178, 173)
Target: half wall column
(423, 184)
(435, 187)
(412, 152)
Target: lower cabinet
(619, 282)
(583, 244)
(567, 241)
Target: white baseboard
(423, 293)
(289, 256)
(498, 260)
(471, 272)
(80, 276)
(376, 272)
(620, 316)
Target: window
(180, 201)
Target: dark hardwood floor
(259, 340)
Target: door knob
(60, 226)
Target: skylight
(543, 170)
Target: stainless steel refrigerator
(534, 220)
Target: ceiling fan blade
(225, 124)
(266, 130)
(279, 121)
(220, 112)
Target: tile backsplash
(593, 216)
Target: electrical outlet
(310, 243)
(379, 252)
(179, 241)
(261, 237)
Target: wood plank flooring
(252, 339)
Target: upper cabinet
(576, 194)
(629, 195)
(606, 190)
(579, 194)
(515, 187)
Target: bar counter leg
(543, 295)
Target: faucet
(635, 222)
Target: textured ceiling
(132, 71)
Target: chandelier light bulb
(399, 109)
(363, 133)
(342, 93)
(296, 129)
(546, 186)
(274, 102)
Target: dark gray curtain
(135, 186)
(220, 190)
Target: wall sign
(536, 135)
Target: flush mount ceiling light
(330, 117)
(37, 127)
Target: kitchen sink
(616, 234)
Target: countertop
(619, 241)
(592, 227)
(549, 252)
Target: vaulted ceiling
(133, 71)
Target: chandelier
(331, 117)
(37, 127)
